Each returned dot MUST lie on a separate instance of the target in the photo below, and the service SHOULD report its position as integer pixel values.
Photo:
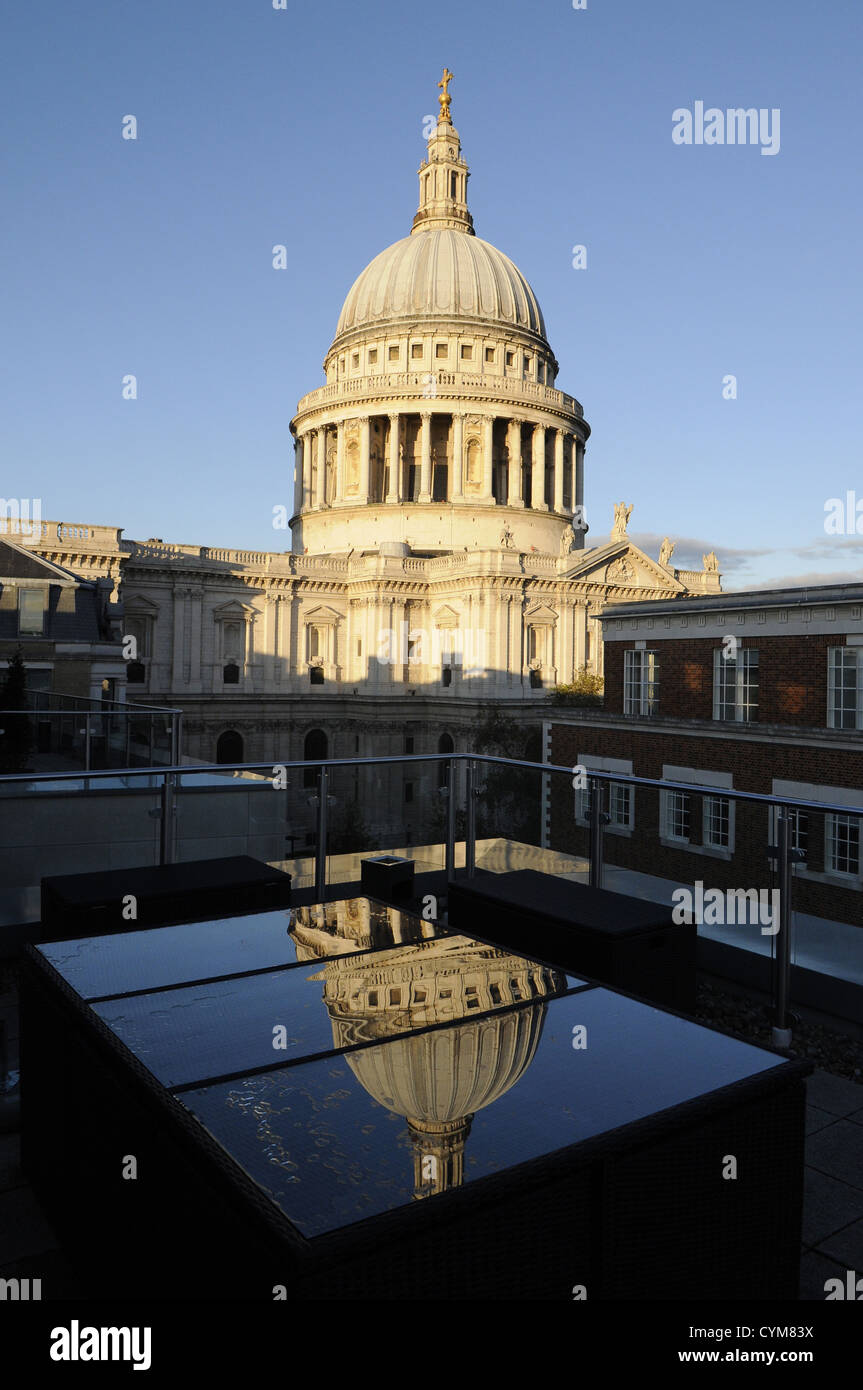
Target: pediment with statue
(621, 564)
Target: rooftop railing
(78, 733)
(797, 861)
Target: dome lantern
(443, 175)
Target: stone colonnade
(430, 456)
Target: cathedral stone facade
(438, 555)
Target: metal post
(450, 821)
(321, 848)
(177, 735)
(86, 743)
(781, 1030)
(470, 830)
(598, 819)
(166, 837)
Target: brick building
(758, 691)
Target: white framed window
(31, 612)
(845, 687)
(621, 802)
(679, 816)
(735, 684)
(799, 828)
(676, 816)
(717, 822)
(842, 831)
(617, 798)
(640, 682)
(842, 845)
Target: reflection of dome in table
(327, 929)
(439, 981)
(438, 1079)
(443, 1075)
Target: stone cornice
(723, 730)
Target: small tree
(509, 804)
(347, 832)
(585, 690)
(16, 738)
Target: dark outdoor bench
(622, 941)
(90, 904)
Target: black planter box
(622, 941)
(89, 904)
(388, 877)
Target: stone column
(570, 463)
(308, 455)
(516, 654)
(321, 480)
(196, 638)
(365, 459)
(578, 488)
(457, 457)
(178, 644)
(340, 461)
(425, 457)
(394, 488)
(487, 449)
(513, 446)
(558, 470)
(537, 492)
(299, 449)
(278, 601)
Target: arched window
(231, 674)
(229, 748)
(315, 748)
(445, 745)
(136, 673)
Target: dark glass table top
(351, 1136)
(225, 1027)
(352, 1058)
(154, 958)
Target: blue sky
(303, 127)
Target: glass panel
(162, 956)
(190, 1035)
(52, 827)
(336, 1141)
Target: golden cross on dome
(445, 97)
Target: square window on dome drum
(394, 354)
(416, 349)
(373, 355)
(441, 350)
(489, 354)
(467, 352)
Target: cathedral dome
(441, 273)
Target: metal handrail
(661, 784)
(171, 781)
